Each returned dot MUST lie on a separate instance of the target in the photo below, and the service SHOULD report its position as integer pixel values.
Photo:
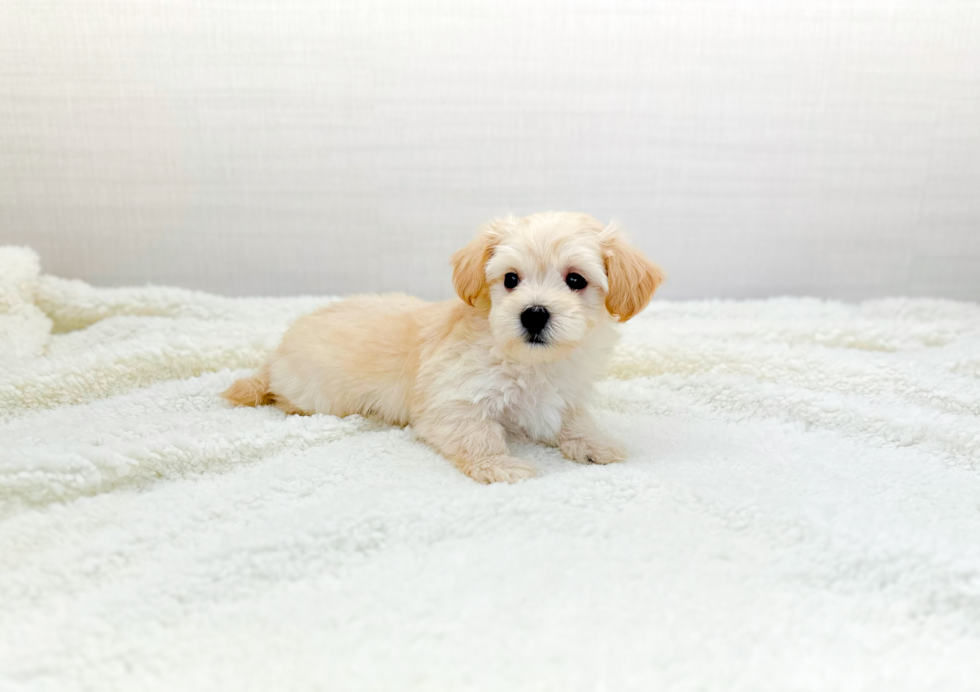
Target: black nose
(534, 319)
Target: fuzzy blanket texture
(801, 510)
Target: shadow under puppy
(517, 356)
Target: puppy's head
(547, 280)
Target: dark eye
(511, 280)
(576, 282)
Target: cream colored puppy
(517, 356)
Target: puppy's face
(548, 280)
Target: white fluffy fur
(465, 373)
(799, 513)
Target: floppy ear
(470, 263)
(632, 278)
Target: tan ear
(632, 278)
(470, 263)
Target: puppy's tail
(250, 391)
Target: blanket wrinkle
(800, 510)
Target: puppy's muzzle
(535, 319)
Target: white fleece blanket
(801, 510)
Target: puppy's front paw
(592, 450)
(499, 469)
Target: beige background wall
(754, 148)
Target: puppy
(517, 355)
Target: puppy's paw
(500, 469)
(596, 450)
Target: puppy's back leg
(287, 406)
(250, 391)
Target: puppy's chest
(527, 400)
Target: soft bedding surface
(801, 510)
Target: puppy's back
(358, 355)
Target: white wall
(754, 148)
